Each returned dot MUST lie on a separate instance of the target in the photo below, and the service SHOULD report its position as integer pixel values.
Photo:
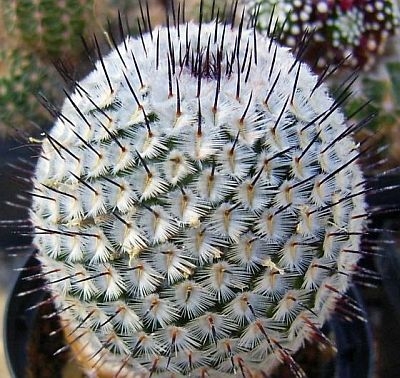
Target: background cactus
(51, 28)
(37, 34)
(198, 206)
(353, 30)
(22, 77)
(380, 88)
(33, 34)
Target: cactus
(33, 33)
(50, 28)
(355, 31)
(381, 89)
(198, 206)
(22, 76)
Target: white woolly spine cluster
(197, 206)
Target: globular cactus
(355, 31)
(198, 207)
(50, 28)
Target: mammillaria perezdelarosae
(198, 206)
(352, 30)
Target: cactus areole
(197, 206)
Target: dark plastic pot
(354, 345)
(20, 320)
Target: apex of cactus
(197, 206)
(355, 31)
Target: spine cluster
(198, 206)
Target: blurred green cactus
(378, 93)
(22, 76)
(51, 28)
(35, 34)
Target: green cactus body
(197, 206)
(49, 27)
(353, 30)
(22, 76)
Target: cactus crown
(197, 205)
